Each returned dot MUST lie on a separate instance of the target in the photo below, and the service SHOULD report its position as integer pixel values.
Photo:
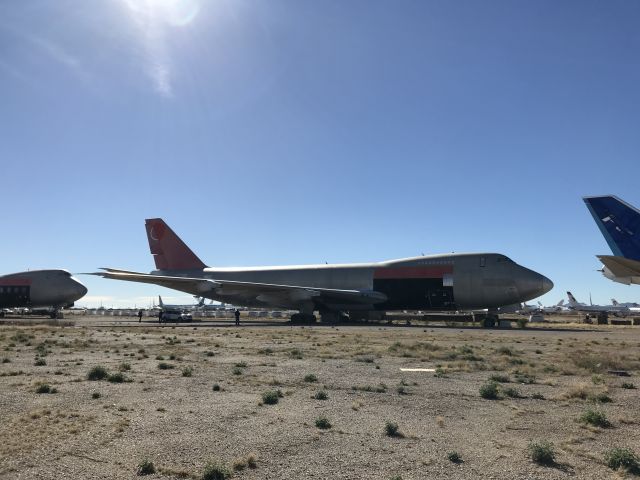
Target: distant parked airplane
(40, 288)
(617, 310)
(558, 307)
(437, 282)
(619, 222)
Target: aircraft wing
(269, 294)
(620, 266)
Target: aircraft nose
(531, 284)
(79, 290)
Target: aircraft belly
(15, 294)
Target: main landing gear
(488, 320)
(56, 314)
(303, 318)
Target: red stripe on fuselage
(15, 282)
(412, 272)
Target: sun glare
(175, 12)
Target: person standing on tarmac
(140, 316)
(237, 315)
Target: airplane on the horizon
(193, 306)
(54, 289)
(619, 223)
(445, 282)
(617, 310)
(527, 309)
(558, 307)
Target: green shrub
(496, 377)
(489, 391)
(391, 429)
(187, 371)
(595, 418)
(321, 395)
(95, 395)
(97, 373)
(440, 373)
(310, 378)
(512, 392)
(145, 467)
(237, 371)
(116, 377)
(538, 396)
(124, 367)
(454, 457)
(542, 453)
(165, 366)
(522, 322)
(271, 397)
(628, 385)
(622, 458)
(40, 362)
(216, 471)
(45, 388)
(216, 387)
(323, 423)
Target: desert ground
(314, 402)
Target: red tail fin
(169, 252)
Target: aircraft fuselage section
(39, 288)
(435, 282)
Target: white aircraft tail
(160, 301)
(572, 299)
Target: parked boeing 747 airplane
(619, 222)
(436, 282)
(40, 288)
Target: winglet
(168, 250)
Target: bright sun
(176, 12)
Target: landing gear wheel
(489, 321)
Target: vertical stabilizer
(619, 223)
(168, 250)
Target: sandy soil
(174, 417)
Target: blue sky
(301, 131)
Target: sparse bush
(321, 395)
(402, 390)
(525, 378)
(597, 379)
(95, 395)
(628, 385)
(489, 391)
(271, 397)
(241, 365)
(505, 351)
(542, 453)
(440, 373)
(124, 367)
(512, 392)
(210, 353)
(391, 429)
(296, 353)
(595, 418)
(216, 471)
(40, 362)
(44, 388)
(323, 423)
(165, 366)
(600, 398)
(522, 322)
(496, 377)
(146, 467)
(6, 360)
(310, 378)
(538, 396)
(187, 371)
(237, 371)
(97, 373)
(216, 387)
(116, 377)
(622, 458)
(252, 461)
(454, 457)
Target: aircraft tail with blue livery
(619, 223)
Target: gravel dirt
(175, 418)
